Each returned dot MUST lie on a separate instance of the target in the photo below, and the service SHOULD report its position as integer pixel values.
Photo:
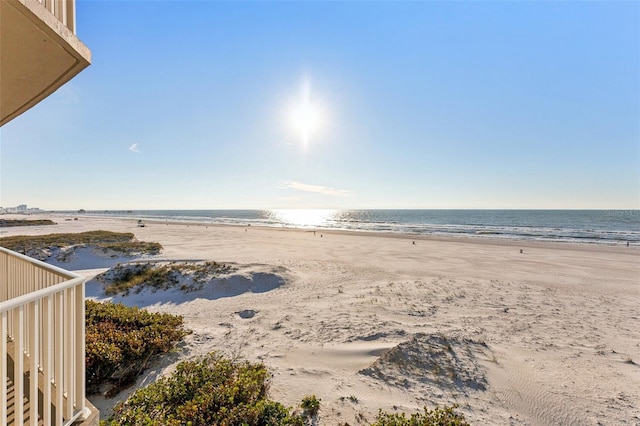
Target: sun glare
(304, 218)
(305, 119)
(306, 116)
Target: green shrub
(310, 405)
(120, 341)
(210, 391)
(445, 416)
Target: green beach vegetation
(121, 340)
(211, 391)
(310, 405)
(121, 242)
(440, 416)
(125, 277)
(6, 223)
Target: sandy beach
(515, 332)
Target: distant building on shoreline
(21, 209)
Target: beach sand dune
(547, 336)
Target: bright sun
(305, 119)
(306, 116)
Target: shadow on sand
(228, 286)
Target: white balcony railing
(64, 10)
(42, 343)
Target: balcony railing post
(63, 18)
(59, 356)
(3, 365)
(47, 355)
(80, 348)
(68, 345)
(4, 278)
(71, 15)
(34, 355)
(18, 365)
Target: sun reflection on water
(304, 218)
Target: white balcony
(42, 343)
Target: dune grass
(123, 242)
(6, 223)
(125, 277)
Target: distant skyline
(266, 105)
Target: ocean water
(584, 226)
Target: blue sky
(418, 104)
